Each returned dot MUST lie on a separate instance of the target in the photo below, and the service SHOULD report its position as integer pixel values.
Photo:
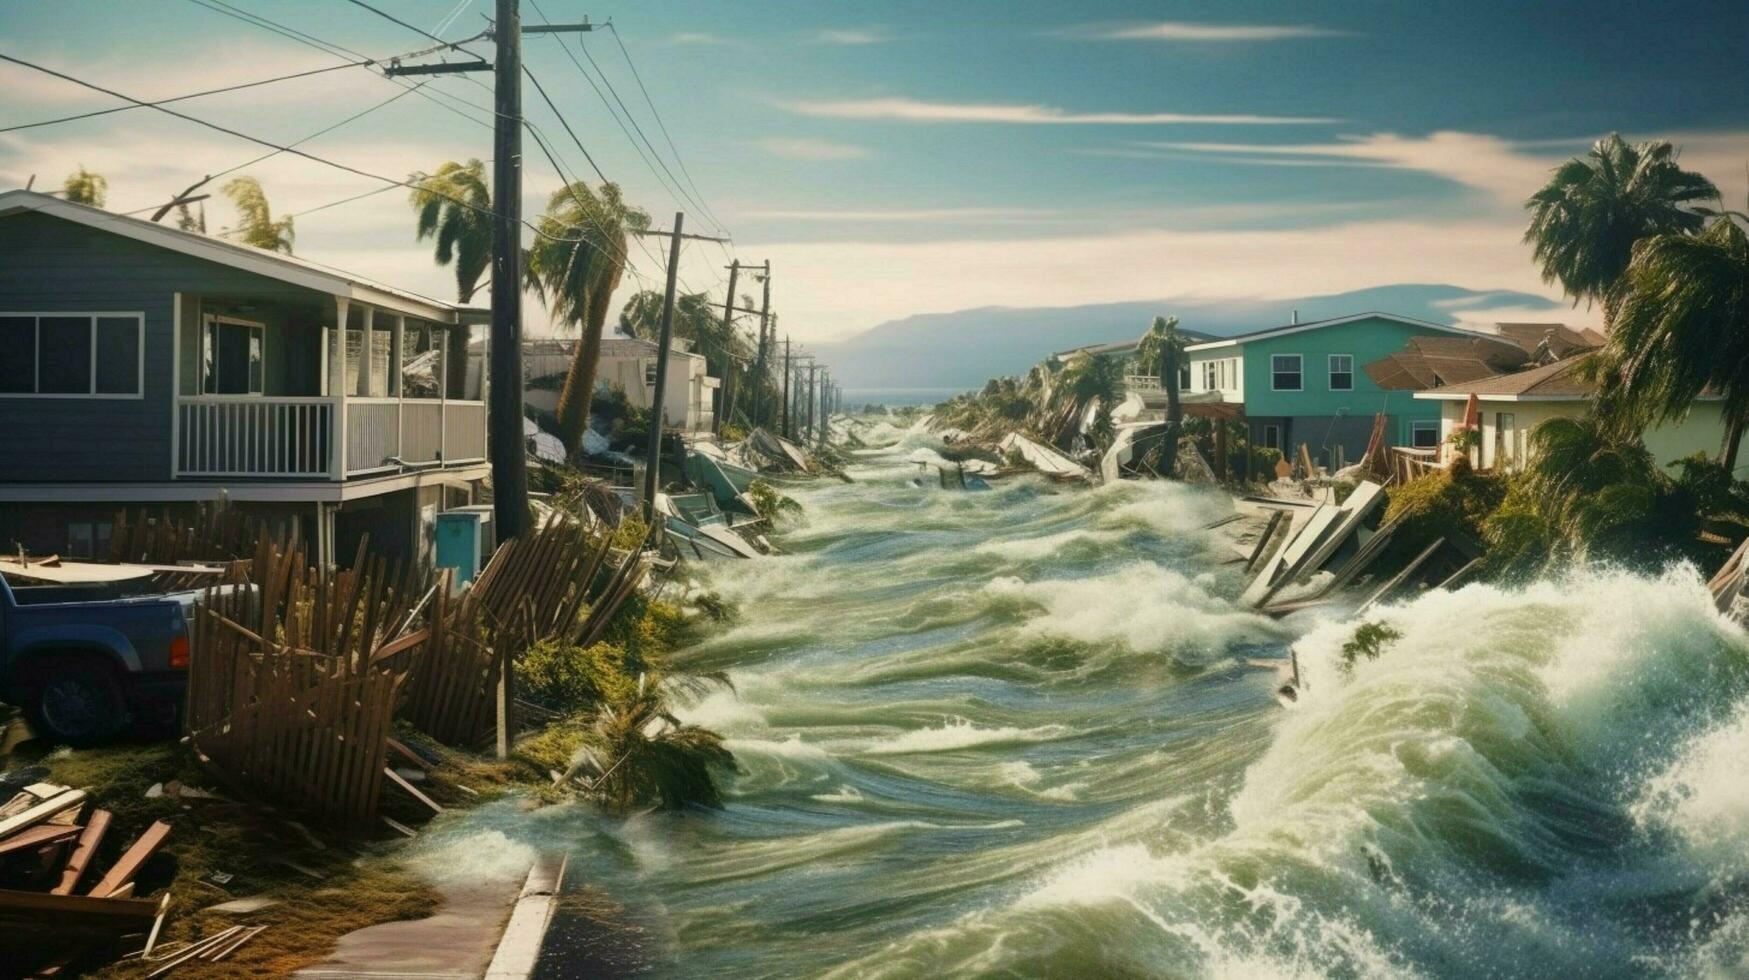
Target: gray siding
(49, 264)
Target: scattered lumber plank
(41, 812)
(411, 790)
(128, 865)
(37, 836)
(82, 854)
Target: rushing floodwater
(1015, 732)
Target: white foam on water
(1143, 606)
(959, 733)
(472, 855)
(1703, 798)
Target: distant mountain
(966, 348)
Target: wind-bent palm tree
(255, 224)
(1683, 328)
(454, 207)
(1097, 378)
(84, 187)
(1585, 222)
(576, 264)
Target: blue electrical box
(465, 540)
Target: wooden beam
(129, 864)
(88, 844)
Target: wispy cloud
(881, 216)
(851, 35)
(803, 148)
(1488, 163)
(918, 110)
(697, 37)
(1178, 30)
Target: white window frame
(651, 366)
(139, 319)
(1423, 425)
(1263, 435)
(1330, 378)
(1300, 370)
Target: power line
(183, 98)
(659, 123)
(672, 189)
(452, 45)
(256, 139)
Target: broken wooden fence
(285, 697)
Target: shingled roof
(1436, 362)
(1557, 381)
(1562, 340)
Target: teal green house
(1303, 383)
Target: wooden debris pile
(57, 901)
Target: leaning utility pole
(664, 343)
(653, 455)
(725, 394)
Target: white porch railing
(1141, 382)
(251, 436)
(220, 435)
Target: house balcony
(246, 436)
(298, 388)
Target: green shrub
(1368, 641)
(563, 677)
(1450, 505)
(770, 504)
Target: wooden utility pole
(1169, 379)
(724, 393)
(504, 415)
(788, 416)
(653, 455)
(760, 409)
(808, 430)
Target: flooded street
(1015, 731)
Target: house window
(232, 357)
(1271, 436)
(88, 539)
(1284, 372)
(1341, 372)
(72, 355)
(650, 374)
(1424, 434)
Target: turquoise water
(1016, 733)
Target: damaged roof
(1557, 381)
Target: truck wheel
(76, 701)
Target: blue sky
(923, 157)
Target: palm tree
(1097, 378)
(1682, 329)
(454, 207)
(84, 187)
(642, 755)
(1585, 222)
(1160, 350)
(576, 264)
(255, 224)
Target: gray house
(144, 366)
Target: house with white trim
(146, 366)
(1302, 383)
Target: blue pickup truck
(87, 663)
